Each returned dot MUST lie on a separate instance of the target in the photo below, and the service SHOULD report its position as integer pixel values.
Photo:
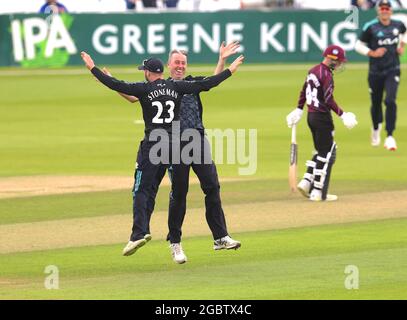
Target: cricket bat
(292, 170)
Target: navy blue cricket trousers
(179, 176)
(145, 184)
(378, 83)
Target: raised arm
(209, 82)
(131, 99)
(132, 89)
(224, 53)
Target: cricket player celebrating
(191, 111)
(317, 92)
(383, 40)
(160, 101)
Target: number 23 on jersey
(158, 119)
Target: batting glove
(294, 116)
(349, 120)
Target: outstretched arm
(224, 53)
(132, 89)
(209, 82)
(131, 99)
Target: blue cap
(152, 65)
(383, 3)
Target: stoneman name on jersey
(160, 99)
(162, 92)
(159, 112)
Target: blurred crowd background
(110, 6)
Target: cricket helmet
(335, 53)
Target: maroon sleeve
(328, 87)
(302, 97)
(334, 106)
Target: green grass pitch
(63, 123)
(306, 263)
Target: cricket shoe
(375, 137)
(390, 143)
(226, 243)
(133, 246)
(316, 195)
(304, 187)
(178, 254)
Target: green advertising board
(279, 36)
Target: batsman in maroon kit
(317, 93)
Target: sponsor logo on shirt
(388, 41)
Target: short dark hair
(183, 52)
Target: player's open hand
(88, 60)
(235, 64)
(228, 50)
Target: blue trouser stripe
(170, 173)
(137, 182)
